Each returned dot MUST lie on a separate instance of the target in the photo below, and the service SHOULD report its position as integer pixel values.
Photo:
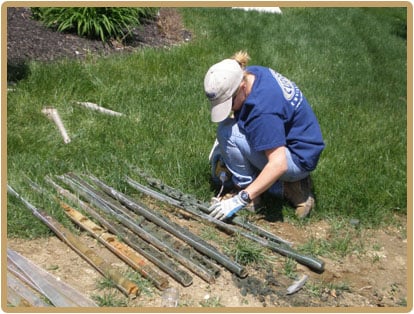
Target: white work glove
(227, 208)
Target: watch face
(245, 196)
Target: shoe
(299, 193)
(222, 172)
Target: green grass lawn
(349, 62)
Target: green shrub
(104, 23)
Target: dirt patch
(373, 277)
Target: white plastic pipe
(96, 107)
(53, 114)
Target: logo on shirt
(290, 91)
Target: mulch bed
(28, 40)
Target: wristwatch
(245, 196)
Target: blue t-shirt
(277, 114)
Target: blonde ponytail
(242, 57)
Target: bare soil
(374, 277)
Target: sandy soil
(375, 277)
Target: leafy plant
(245, 251)
(144, 284)
(108, 296)
(289, 268)
(105, 283)
(104, 23)
(109, 300)
(210, 233)
(317, 289)
(341, 240)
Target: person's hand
(227, 208)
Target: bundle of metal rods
(149, 236)
(200, 211)
(158, 239)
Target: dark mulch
(28, 39)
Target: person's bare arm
(274, 169)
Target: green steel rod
(175, 229)
(183, 201)
(310, 261)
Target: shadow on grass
(272, 208)
(17, 70)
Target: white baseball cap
(220, 84)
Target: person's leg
(293, 174)
(296, 187)
(244, 163)
(235, 153)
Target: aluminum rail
(22, 294)
(158, 258)
(123, 284)
(13, 269)
(57, 291)
(181, 233)
(157, 236)
(310, 261)
(15, 297)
